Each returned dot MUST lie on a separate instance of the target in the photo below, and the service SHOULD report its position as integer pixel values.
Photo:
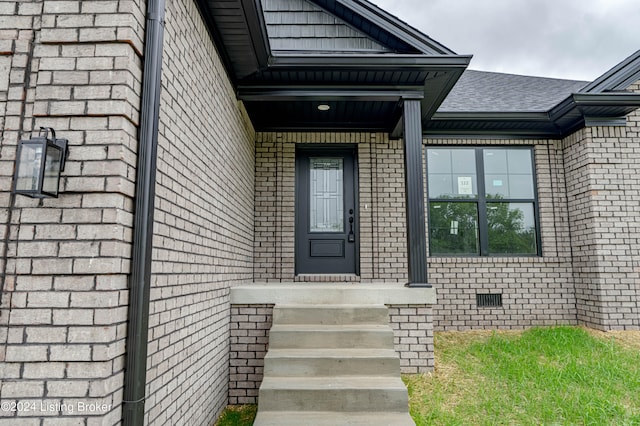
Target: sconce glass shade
(52, 167)
(28, 167)
(39, 163)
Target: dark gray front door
(326, 216)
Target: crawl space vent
(489, 300)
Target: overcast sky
(573, 39)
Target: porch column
(414, 193)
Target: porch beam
(263, 94)
(414, 194)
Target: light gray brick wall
(535, 290)
(413, 337)
(381, 204)
(249, 342)
(74, 66)
(383, 249)
(203, 232)
(602, 166)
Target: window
(482, 201)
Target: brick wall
(535, 290)
(381, 204)
(74, 66)
(602, 166)
(250, 325)
(413, 337)
(383, 229)
(203, 234)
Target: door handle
(351, 237)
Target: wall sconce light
(39, 163)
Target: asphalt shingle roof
(481, 91)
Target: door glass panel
(326, 205)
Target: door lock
(351, 237)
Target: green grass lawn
(238, 415)
(550, 376)
(542, 376)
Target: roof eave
(565, 118)
(627, 99)
(609, 104)
(396, 27)
(619, 77)
(217, 38)
(498, 133)
(257, 30)
(491, 116)
(370, 61)
(492, 124)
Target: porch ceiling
(342, 115)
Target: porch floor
(331, 293)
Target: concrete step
(341, 393)
(332, 365)
(335, 361)
(330, 314)
(332, 418)
(330, 336)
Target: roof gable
(384, 27)
(300, 25)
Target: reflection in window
(453, 228)
(481, 201)
(511, 228)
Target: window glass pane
(495, 161)
(452, 173)
(326, 203)
(511, 228)
(439, 160)
(497, 186)
(521, 186)
(453, 228)
(519, 161)
(508, 173)
(440, 186)
(463, 161)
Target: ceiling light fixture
(324, 107)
